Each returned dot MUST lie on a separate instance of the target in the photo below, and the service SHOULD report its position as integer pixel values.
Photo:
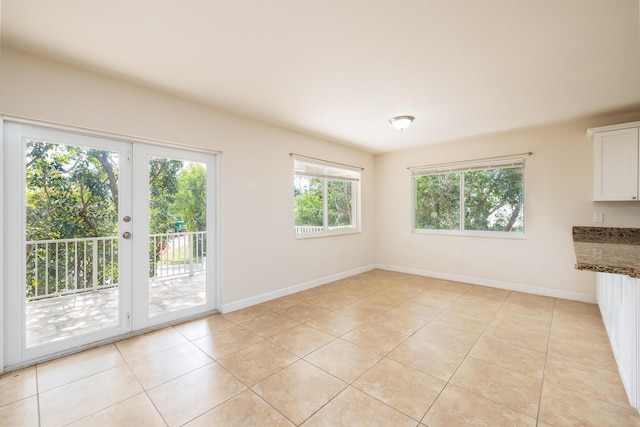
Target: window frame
(463, 168)
(344, 173)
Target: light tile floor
(377, 349)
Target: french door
(106, 237)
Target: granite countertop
(608, 250)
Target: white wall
(559, 183)
(260, 254)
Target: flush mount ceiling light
(401, 122)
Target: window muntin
(478, 198)
(325, 199)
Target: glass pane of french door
(72, 269)
(66, 268)
(177, 235)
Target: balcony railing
(70, 266)
(304, 229)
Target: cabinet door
(616, 165)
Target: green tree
(437, 204)
(493, 199)
(71, 193)
(191, 199)
(163, 188)
(308, 202)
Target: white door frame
(15, 350)
(141, 156)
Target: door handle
(126, 235)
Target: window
(325, 198)
(475, 198)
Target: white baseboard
(555, 293)
(248, 302)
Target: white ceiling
(339, 69)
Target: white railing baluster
(35, 283)
(94, 273)
(46, 268)
(57, 267)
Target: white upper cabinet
(616, 161)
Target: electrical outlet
(458, 255)
(598, 217)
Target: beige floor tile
(203, 327)
(435, 299)
(401, 292)
(509, 388)
(522, 322)
(168, 364)
(20, 413)
(269, 324)
(583, 352)
(299, 390)
(302, 340)
(394, 321)
(257, 362)
(457, 407)
(375, 338)
(17, 385)
(473, 309)
(529, 304)
(522, 298)
(419, 311)
(431, 359)
(519, 337)
(153, 342)
(383, 301)
(577, 331)
(361, 311)
(525, 361)
(343, 359)
(493, 296)
(603, 385)
(406, 389)
(466, 322)
(245, 409)
(447, 337)
(334, 323)
(332, 302)
(303, 312)
(195, 393)
(355, 408)
(281, 303)
(576, 307)
(136, 411)
(88, 395)
(457, 288)
(76, 366)
(227, 341)
(246, 314)
(583, 319)
(562, 407)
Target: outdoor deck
(61, 317)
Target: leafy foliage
(72, 193)
(309, 200)
(438, 202)
(493, 200)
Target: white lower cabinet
(617, 297)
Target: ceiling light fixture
(401, 122)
